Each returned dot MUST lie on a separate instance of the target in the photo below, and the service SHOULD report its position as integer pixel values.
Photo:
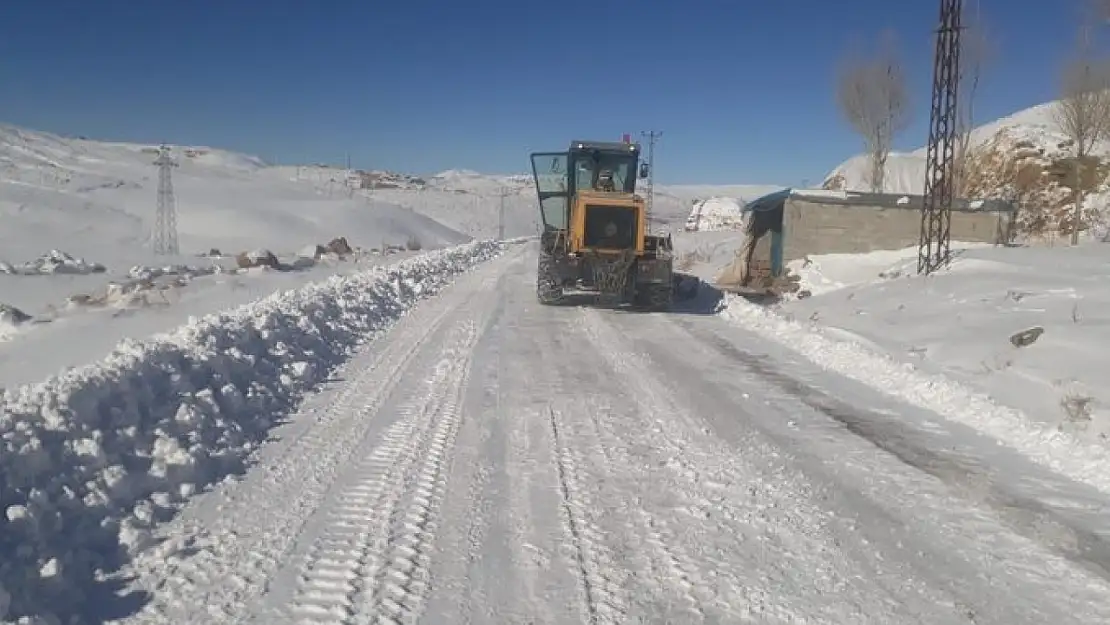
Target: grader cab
(595, 236)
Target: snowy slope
(90, 206)
(97, 196)
(472, 203)
(1024, 158)
(905, 171)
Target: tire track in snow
(685, 575)
(373, 552)
(649, 535)
(218, 560)
(474, 519)
(604, 597)
(472, 578)
(332, 579)
(232, 553)
(645, 547)
(657, 434)
(806, 570)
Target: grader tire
(548, 289)
(655, 297)
(661, 297)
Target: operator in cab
(605, 181)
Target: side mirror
(644, 169)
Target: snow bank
(824, 273)
(1066, 454)
(91, 459)
(717, 213)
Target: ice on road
(491, 460)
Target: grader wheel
(548, 289)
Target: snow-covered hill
(1023, 157)
(86, 196)
(75, 256)
(905, 171)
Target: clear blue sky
(743, 90)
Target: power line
(165, 219)
(653, 136)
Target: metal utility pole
(165, 220)
(503, 191)
(652, 136)
(347, 178)
(933, 249)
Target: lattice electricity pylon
(936, 211)
(165, 220)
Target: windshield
(593, 170)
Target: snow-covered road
(491, 460)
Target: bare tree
(977, 50)
(874, 99)
(1083, 111)
(1098, 11)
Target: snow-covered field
(90, 198)
(960, 323)
(949, 342)
(66, 334)
(75, 253)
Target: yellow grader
(595, 236)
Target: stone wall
(827, 226)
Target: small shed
(809, 222)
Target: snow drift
(91, 459)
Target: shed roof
(776, 200)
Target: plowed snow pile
(717, 213)
(945, 342)
(90, 460)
